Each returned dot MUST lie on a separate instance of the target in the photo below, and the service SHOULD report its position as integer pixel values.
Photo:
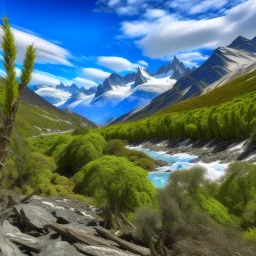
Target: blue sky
(83, 41)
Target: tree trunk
(6, 132)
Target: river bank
(207, 151)
(214, 156)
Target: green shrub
(250, 234)
(116, 183)
(80, 151)
(145, 163)
(81, 130)
(115, 147)
(215, 209)
(59, 180)
(238, 187)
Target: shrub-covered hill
(227, 112)
(36, 116)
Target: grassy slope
(225, 95)
(36, 116)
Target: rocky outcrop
(59, 227)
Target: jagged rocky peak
(61, 86)
(114, 80)
(73, 86)
(142, 76)
(254, 39)
(238, 42)
(73, 89)
(89, 91)
(244, 43)
(130, 77)
(176, 68)
(175, 64)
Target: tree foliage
(115, 183)
(79, 151)
(238, 187)
(12, 89)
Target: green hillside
(227, 112)
(36, 116)
(235, 88)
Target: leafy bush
(238, 187)
(178, 228)
(80, 151)
(81, 130)
(189, 181)
(115, 183)
(117, 147)
(250, 234)
(56, 144)
(215, 209)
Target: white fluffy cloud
(169, 34)
(112, 3)
(143, 63)
(79, 81)
(197, 6)
(192, 58)
(207, 5)
(127, 7)
(40, 77)
(154, 13)
(116, 64)
(47, 52)
(95, 74)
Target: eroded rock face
(59, 227)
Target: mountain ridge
(221, 62)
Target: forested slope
(227, 112)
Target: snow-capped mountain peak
(113, 81)
(175, 68)
(117, 95)
(142, 76)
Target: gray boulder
(34, 216)
(7, 248)
(59, 249)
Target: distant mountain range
(37, 116)
(117, 95)
(142, 93)
(239, 57)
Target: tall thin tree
(12, 88)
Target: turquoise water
(176, 162)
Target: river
(176, 162)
